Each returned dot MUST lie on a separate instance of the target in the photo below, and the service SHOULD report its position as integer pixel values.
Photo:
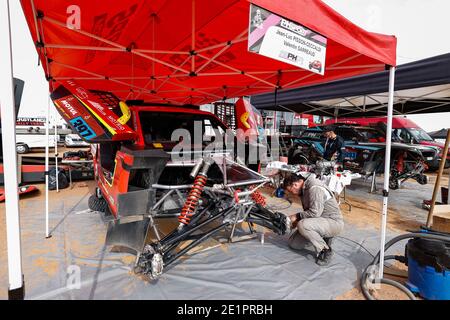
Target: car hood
(395, 145)
(432, 143)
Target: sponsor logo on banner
(281, 39)
(69, 108)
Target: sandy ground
(364, 213)
(404, 214)
(34, 243)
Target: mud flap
(128, 234)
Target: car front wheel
(22, 148)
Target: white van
(26, 142)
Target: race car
(364, 153)
(74, 140)
(147, 168)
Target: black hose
(376, 261)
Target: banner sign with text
(281, 39)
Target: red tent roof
(146, 49)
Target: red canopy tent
(190, 51)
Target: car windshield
(419, 134)
(402, 135)
(159, 126)
(371, 135)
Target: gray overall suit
(320, 219)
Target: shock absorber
(259, 198)
(256, 196)
(401, 162)
(196, 191)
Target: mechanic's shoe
(328, 241)
(324, 257)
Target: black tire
(421, 179)
(298, 158)
(97, 204)
(394, 184)
(447, 164)
(432, 169)
(22, 148)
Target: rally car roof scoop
(91, 117)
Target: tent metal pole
(56, 147)
(387, 167)
(357, 67)
(214, 57)
(237, 70)
(16, 289)
(193, 37)
(219, 45)
(47, 137)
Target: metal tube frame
(238, 208)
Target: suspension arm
(195, 243)
(176, 232)
(189, 231)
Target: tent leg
(47, 136)
(56, 148)
(16, 289)
(387, 167)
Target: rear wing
(90, 116)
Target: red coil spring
(192, 199)
(259, 198)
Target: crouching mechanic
(321, 219)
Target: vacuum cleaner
(427, 255)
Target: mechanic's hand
(294, 221)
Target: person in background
(334, 146)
